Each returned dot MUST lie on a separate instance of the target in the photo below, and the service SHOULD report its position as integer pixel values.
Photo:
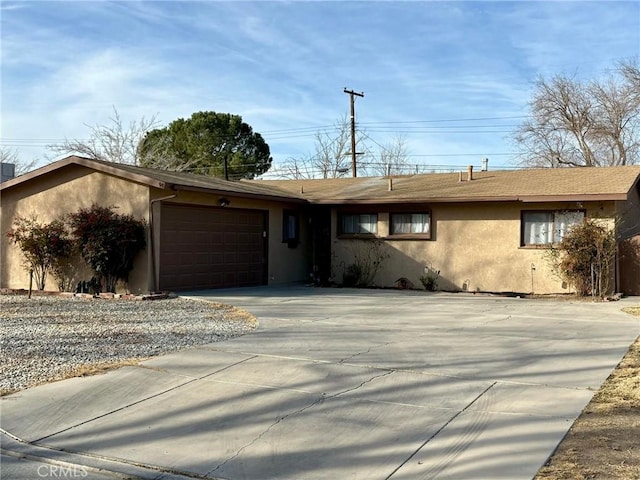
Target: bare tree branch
(574, 123)
(391, 158)
(113, 142)
(332, 156)
(11, 156)
(297, 169)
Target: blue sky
(453, 77)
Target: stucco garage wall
(285, 265)
(65, 191)
(475, 247)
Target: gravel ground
(48, 338)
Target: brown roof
(162, 179)
(530, 185)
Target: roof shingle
(605, 183)
(529, 185)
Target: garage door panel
(205, 247)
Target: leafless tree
(332, 155)
(330, 159)
(576, 123)
(113, 142)
(390, 159)
(630, 70)
(11, 156)
(616, 134)
(296, 168)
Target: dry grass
(237, 314)
(603, 442)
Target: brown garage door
(208, 247)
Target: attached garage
(212, 247)
(203, 232)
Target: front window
(290, 227)
(545, 228)
(359, 223)
(410, 223)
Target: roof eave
(136, 177)
(389, 201)
(594, 197)
(230, 193)
(471, 199)
(85, 162)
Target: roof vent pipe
(485, 165)
(390, 184)
(470, 173)
(459, 177)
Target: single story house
(483, 231)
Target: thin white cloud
(283, 65)
(9, 6)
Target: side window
(537, 228)
(358, 223)
(290, 227)
(411, 223)
(548, 227)
(563, 221)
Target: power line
(477, 119)
(313, 129)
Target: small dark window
(290, 228)
(358, 223)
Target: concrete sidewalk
(339, 383)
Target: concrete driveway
(336, 384)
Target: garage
(211, 247)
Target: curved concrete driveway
(359, 384)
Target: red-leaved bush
(108, 242)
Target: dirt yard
(603, 443)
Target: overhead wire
(390, 126)
(406, 127)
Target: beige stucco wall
(70, 188)
(54, 195)
(285, 265)
(476, 247)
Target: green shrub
(108, 242)
(430, 280)
(44, 246)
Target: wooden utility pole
(353, 128)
